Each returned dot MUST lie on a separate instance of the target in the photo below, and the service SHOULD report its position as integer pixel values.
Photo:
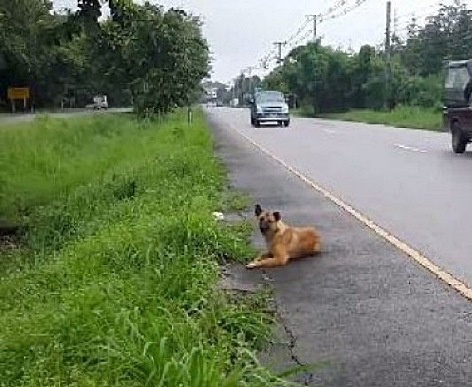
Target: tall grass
(115, 285)
(404, 116)
(54, 157)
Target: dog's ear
(277, 216)
(258, 210)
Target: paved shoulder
(375, 317)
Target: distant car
(269, 106)
(457, 112)
(100, 102)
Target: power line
(339, 4)
(302, 39)
(345, 11)
(413, 14)
(330, 14)
(302, 28)
(420, 20)
(418, 17)
(298, 32)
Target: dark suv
(457, 111)
(269, 106)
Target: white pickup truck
(99, 102)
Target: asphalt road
(407, 181)
(375, 316)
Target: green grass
(52, 157)
(236, 201)
(406, 117)
(303, 111)
(114, 284)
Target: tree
(27, 29)
(89, 11)
(160, 57)
(328, 79)
(362, 69)
(167, 63)
(317, 75)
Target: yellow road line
(443, 275)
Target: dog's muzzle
(263, 227)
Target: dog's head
(267, 220)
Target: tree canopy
(143, 54)
(327, 79)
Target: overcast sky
(240, 32)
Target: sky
(241, 32)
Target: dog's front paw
(252, 265)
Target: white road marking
(411, 148)
(330, 131)
(455, 283)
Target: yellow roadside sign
(18, 93)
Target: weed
(117, 285)
(404, 116)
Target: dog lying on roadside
(283, 242)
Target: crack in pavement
(308, 377)
(364, 309)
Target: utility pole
(314, 19)
(388, 57)
(395, 22)
(279, 51)
(249, 70)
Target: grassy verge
(406, 117)
(115, 282)
(303, 111)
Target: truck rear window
(457, 78)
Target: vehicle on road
(457, 112)
(99, 102)
(269, 106)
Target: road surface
(374, 315)
(407, 181)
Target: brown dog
(283, 242)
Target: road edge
(444, 276)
